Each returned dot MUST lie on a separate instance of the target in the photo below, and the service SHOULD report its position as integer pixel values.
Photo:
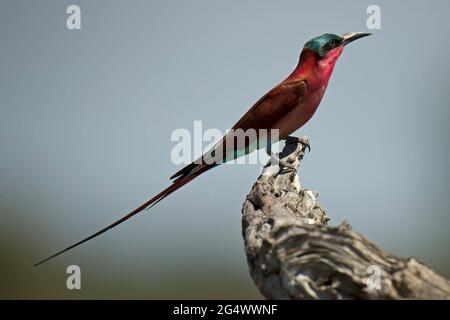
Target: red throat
(311, 67)
(328, 62)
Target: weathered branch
(293, 254)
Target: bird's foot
(304, 140)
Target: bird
(284, 109)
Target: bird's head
(331, 44)
(319, 55)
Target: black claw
(304, 143)
(307, 145)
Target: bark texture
(293, 254)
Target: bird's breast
(301, 113)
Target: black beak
(352, 36)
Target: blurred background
(86, 118)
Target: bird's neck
(315, 71)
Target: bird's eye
(333, 42)
(328, 46)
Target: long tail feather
(150, 203)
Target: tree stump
(293, 253)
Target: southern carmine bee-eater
(285, 108)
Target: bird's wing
(264, 114)
(273, 106)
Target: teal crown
(315, 44)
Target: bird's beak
(351, 36)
